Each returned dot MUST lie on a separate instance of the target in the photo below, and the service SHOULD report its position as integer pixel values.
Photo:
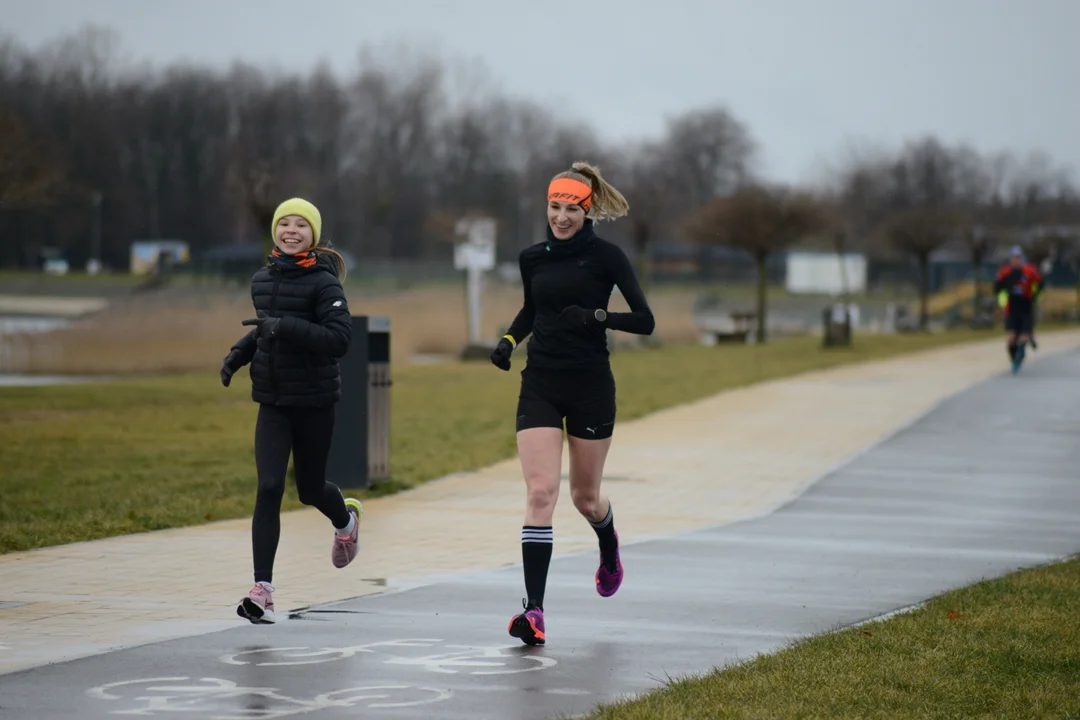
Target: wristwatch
(600, 315)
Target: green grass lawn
(90, 461)
(1006, 649)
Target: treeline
(94, 155)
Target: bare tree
(918, 232)
(389, 130)
(473, 174)
(270, 156)
(855, 204)
(322, 115)
(980, 242)
(391, 152)
(919, 200)
(1042, 244)
(29, 177)
(712, 153)
(651, 193)
(760, 220)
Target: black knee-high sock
(605, 532)
(1012, 350)
(536, 546)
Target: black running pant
(305, 432)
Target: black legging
(306, 433)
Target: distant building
(147, 255)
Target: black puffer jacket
(299, 365)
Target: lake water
(10, 324)
(16, 380)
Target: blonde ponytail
(607, 203)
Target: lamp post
(97, 197)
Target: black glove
(500, 356)
(267, 326)
(229, 367)
(577, 315)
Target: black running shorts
(1021, 322)
(584, 398)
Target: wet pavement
(983, 485)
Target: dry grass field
(192, 331)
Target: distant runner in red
(1017, 284)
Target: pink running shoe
(528, 626)
(608, 581)
(346, 546)
(258, 606)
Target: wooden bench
(741, 326)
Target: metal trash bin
(378, 398)
(836, 320)
(360, 448)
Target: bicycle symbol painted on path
(476, 659)
(218, 699)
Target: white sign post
(475, 255)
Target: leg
(540, 452)
(313, 431)
(1010, 336)
(1023, 329)
(587, 459)
(539, 440)
(589, 427)
(273, 443)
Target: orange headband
(572, 191)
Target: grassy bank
(89, 461)
(1007, 649)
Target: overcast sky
(805, 75)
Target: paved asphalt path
(981, 486)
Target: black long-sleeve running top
(581, 271)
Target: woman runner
(568, 280)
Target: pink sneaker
(528, 626)
(346, 546)
(608, 581)
(258, 606)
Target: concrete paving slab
(729, 457)
(982, 486)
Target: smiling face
(293, 235)
(565, 219)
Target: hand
(267, 326)
(229, 367)
(500, 357)
(577, 315)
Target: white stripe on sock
(538, 535)
(606, 521)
